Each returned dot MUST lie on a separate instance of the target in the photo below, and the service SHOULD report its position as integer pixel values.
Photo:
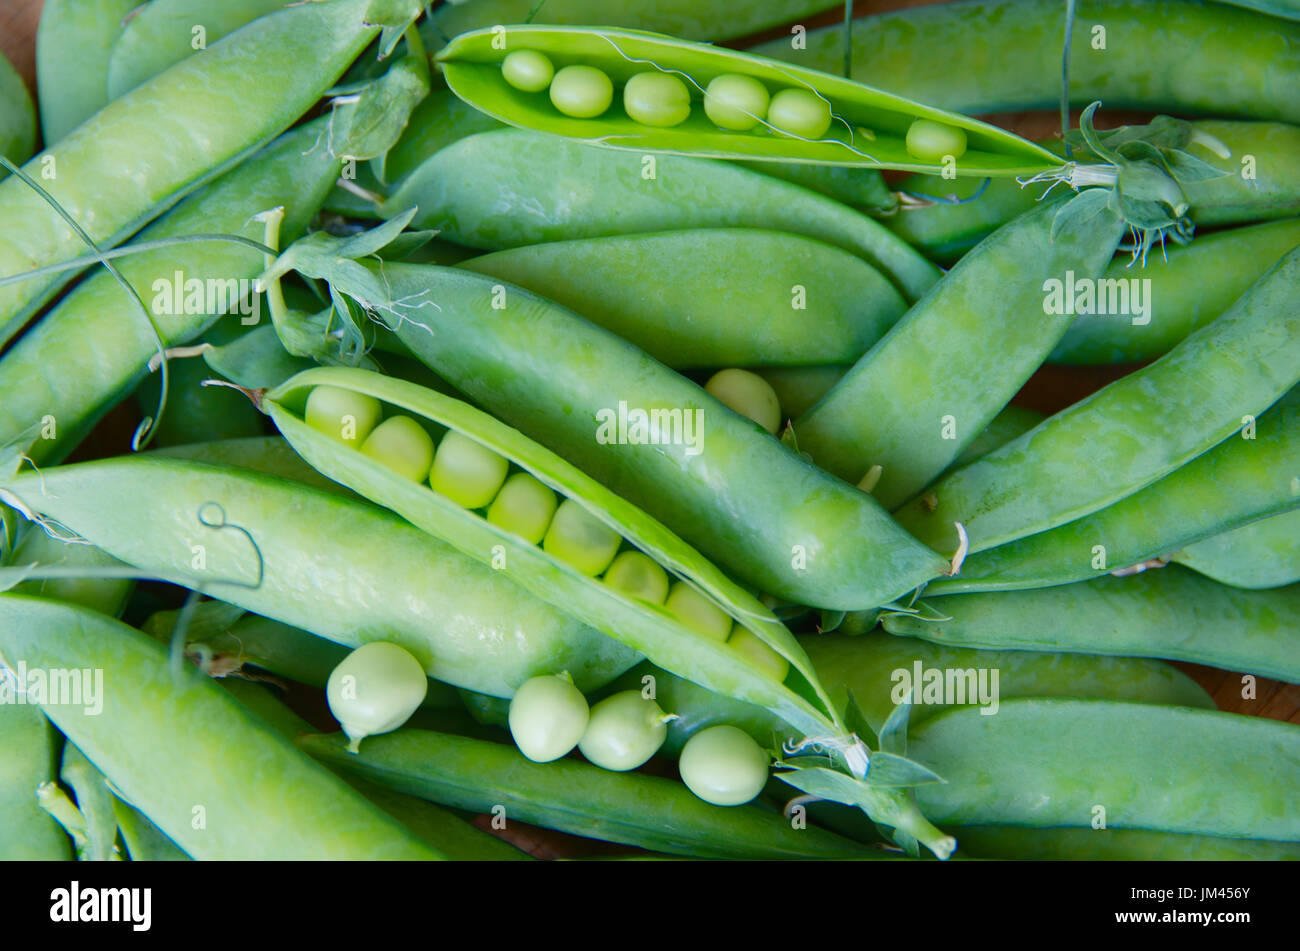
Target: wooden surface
(1050, 390)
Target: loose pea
(800, 113)
(749, 395)
(467, 472)
(658, 99)
(375, 689)
(527, 70)
(583, 92)
(747, 644)
(548, 716)
(639, 575)
(341, 414)
(624, 731)
(524, 506)
(401, 444)
(931, 141)
(723, 765)
(735, 102)
(581, 539)
(697, 612)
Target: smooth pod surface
(1260, 554)
(73, 44)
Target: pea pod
(469, 626)
(1260, 554)
(218, 116)
(1170, 613)
(1115, 845)
(649, 628)
(799, 388)
(1168, 769)
(30, 748)
(1174, 294)
(144, 841)
(1008, 55)
(197, 413)
(141, 730)
(165, 32)
(864, 126)
(92, 348)
(1240, 480)
(862, 422)
(685, 18)
(483, 193)
(37, 547)
(809, 303)
(17, 119)
(1252, 353)
(747, 502)
(573, 796)
(1260, 186)
(94, 802)
(73, 43)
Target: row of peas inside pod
(663, 99)
(462, 470)
(379, 686)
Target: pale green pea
(638, 575)
(801, 113)
(375, 689)
(932, 141)
(697, 612)
(342, 415)
(624, 731)
(583, 92)
(749, 395)
(527, 70)
(581, 539)
(735, 102)
(746, 643)
(523, 506)
(657, 99)
(401, 444)
(467, 472)
(723, 765)
(548, 716)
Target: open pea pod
(867, 127)
(648, 627)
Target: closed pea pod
(1168, 612)
(809, 302)
(1163, 768)
(1246, 477)
(71, 92)
(473, 191)
(143, 739)
(1261, 554)
(17, 118)
(469, 625)
(216, 109)
(1109, 845)
(30, 747)
(1252, 352)
(811, 116)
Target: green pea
(932, 141)
(746, 643)
(467, 472)
(342, 415)
(723, 765)
(583, 92)
(527, 70)
(402, 445)
(624, 731)
(581, 539)
(736, 102)
(375, 689)
(658, 99)
(524, 506)
(639, 575)
(749, 395)
(801, 113)
(697, 612)
(548, 716)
